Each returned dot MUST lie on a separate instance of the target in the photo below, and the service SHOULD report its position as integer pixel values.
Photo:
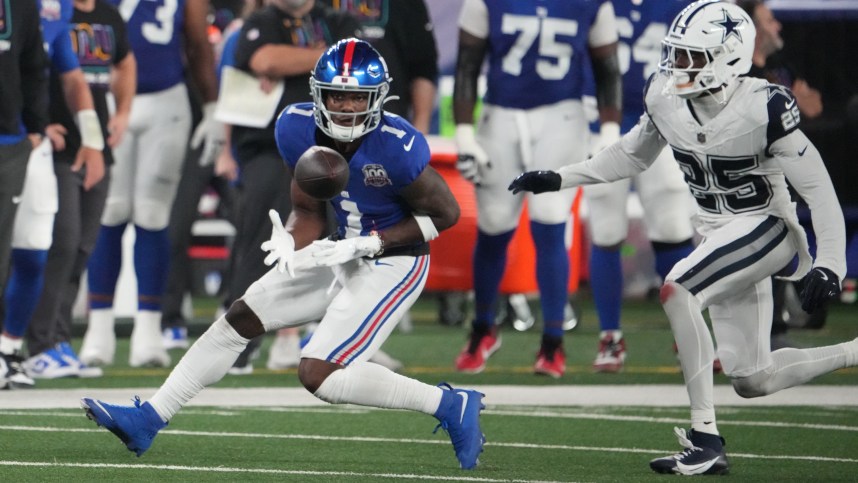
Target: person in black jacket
(23, 117)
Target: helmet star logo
(730, 26)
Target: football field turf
(583, 427)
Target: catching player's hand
(210, 131)
(281, 246)
(819, 285)
(473, 160)
(609, 133)
(328, 253)
(536, 182)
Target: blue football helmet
(350, 65)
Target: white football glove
(212, 133)
(328, 253)
(473, 160)
(281, 246)
(609, 133)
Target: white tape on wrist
(427, 227)
(90, 129)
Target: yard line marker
(221, 469)
(370, 439)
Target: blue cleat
(459, 414)
(135, 425)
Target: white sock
(696, 352)
(11, 345)
(101, 321)
(205, 363)
(369, 384)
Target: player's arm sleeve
(635, 152)
(604, 28)
(34, 74)
(473, 32)
(803, 167)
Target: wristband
(90, 129)
(427, 227)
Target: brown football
(322, 172)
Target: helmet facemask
(351, 66)
(361, 123)
(709, 45)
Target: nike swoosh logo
(789, 104)
(380, 263)
(801, 153)
(695, 469)
(464, 396)
(407, 147)
(823, 275)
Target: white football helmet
(717, 33)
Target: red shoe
(551, 360)
(481, 345)
(612, 352)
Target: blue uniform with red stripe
(378, 170)
(641, 28)
(154, 31)
(556, 63)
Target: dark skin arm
(608, 82)
(472, 50)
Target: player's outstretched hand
(281, 246)
(327, 253)
(819, 285)
(536, 182)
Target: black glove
(819, 285)
(536, 181)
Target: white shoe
(83, 371)
(147, 346)
(285, 352)
(50, 365)
(383, 359)
(99, 342)
(175, 338)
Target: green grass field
(539, 442)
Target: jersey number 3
(528, 29)
(160, 32)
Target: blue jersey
(390, 158)
(56, 18)
(538, 51)
(154, 31)
(641, 26)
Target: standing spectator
(280, 42)
(51, 355)
(23, 117)
(662, 192)
(532, 116)
(100, 42)
(738, 142)
(146, 171)
(358, 282)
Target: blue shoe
(135, 425)
(459, 414)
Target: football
(322, 173)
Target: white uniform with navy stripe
(736, 166)
(359, 302)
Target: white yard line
(661, 395)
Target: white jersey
(736, 164)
